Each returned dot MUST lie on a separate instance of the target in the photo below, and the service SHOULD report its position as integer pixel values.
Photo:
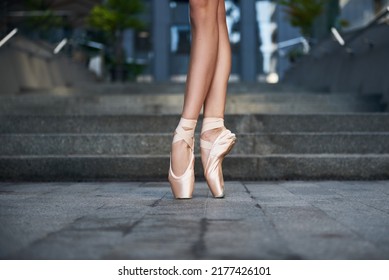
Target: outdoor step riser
(108, 99)
(159, 144)
(177, 88)
(260, 108)
(167, 123)
(177, 100)
(152, 168)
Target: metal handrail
(346, 42)
(293, 42)
(381, 15)
(8, 37)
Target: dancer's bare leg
(203, 57)
(215, 101)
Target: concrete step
(172, 104)
(272, 123)
(257, 167)
(253, 108)
(178, 88)
(160, 143)
(136, 147)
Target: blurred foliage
(112, 18)
(295, 54)
(344, 23)
(116, 15)
(131, 72)
(302, 13)
(45, 19)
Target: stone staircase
(168, 99)
(119, 136)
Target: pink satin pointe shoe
(217, 151)
(182, 186)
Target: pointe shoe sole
(222, 195)
(183, 186)
(221, 164)
(216, 181)
(180, 190)
(177, 191)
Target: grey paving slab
(142, 220)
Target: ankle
(187, 123)
(180, 146)
(212, 127)
(211, 135)
(184, 132)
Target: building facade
(357, 13)
(255, 27)
(262, 39)
(260, 34)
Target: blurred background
(92, 89)
(149, 40)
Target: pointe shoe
(218, 150)
(183, 186)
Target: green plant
(113, 17)
(302, 13)
(295, 54)
(116, 15)
(344, 23)
(42, 17)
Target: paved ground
(256, 220)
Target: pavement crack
(269, 220)
(128, 229)
(101, 207)
(155, 203)
(258, 206)
(199, 248)
(252, 197)
(19, 253)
